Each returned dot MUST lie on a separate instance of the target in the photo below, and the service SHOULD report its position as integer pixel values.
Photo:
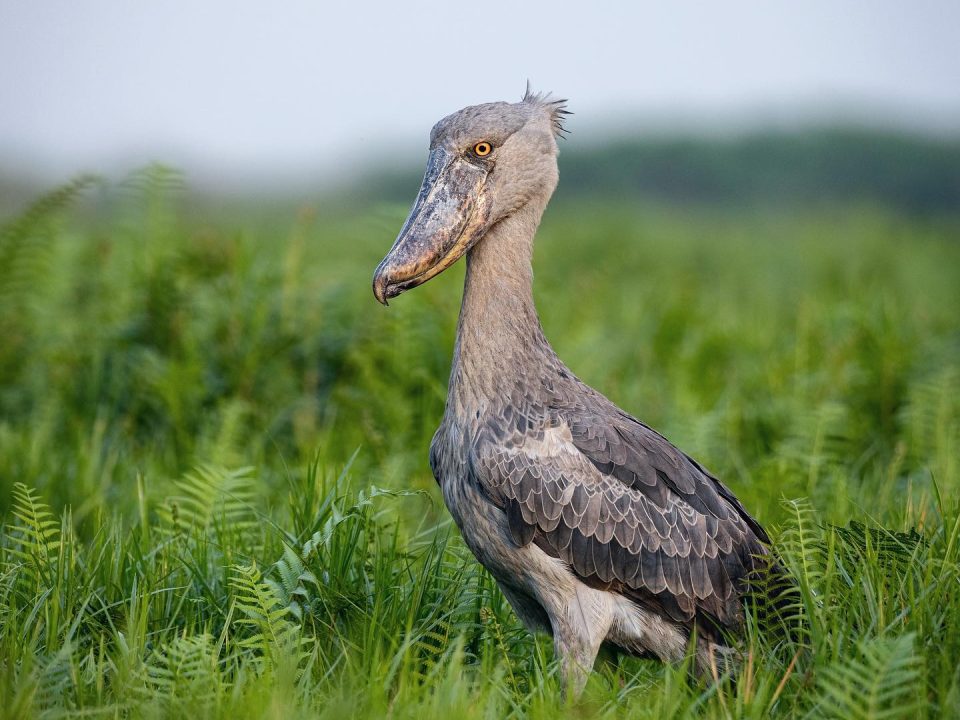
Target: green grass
(213, 456)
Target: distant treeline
(823, 166)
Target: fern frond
(40, 682)
(800, 541)
(891, 547)
(183, 674)
(211, 498)
(291, 585)
(931, 417)
(25, 240)
(36, 535)
(819, 441)
(154, 181)
(264, 617)
(883, 679)
(430, 645)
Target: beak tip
(380, 289)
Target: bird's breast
(448, 459)
(484, 526)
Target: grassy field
(213, 455)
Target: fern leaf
(264, 617)
(212, 498)
(25, 240)
(882, 680)
(37, 535)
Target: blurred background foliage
(761, 297)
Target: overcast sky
(236, 89)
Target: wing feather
(624, 509)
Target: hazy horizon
(234, 95)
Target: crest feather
(557, 108)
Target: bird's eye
(482, 149)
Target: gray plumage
(596, 528)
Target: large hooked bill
(448, 217)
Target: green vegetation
(213, 455)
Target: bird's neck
(499, 338)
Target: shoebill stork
(596, 528)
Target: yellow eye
(482, 149)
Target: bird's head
(486, 162)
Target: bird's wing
(625, 510)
